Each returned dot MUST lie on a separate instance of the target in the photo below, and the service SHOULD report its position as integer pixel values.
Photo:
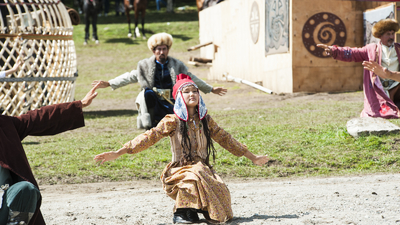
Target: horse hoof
(85, 43)
(137, 32)
(97, 42)
(129, 35)
(144, 37)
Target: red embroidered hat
(180, 108)
(182, 80)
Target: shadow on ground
(109, 113)
(31, 143)
(239, 220)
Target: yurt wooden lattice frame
(39, 33)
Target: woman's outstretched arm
(109, 156)
(259, 160)
(143, 141)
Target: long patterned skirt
(197, 186)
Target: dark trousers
(90, 11)
(159, 107)
(22, 196)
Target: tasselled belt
(163, 94)
(386, 83)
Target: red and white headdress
(180, 108)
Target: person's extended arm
(381, 71)
(259, 160)
(226, 141)
(109, 156)
(346, 54)
(53, 119)
(206, 88)
(87, 100)
(120, 81)
(142, 142)
(12, 70)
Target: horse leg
(128, 18)
(143, 14)
(136, 33)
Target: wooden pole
(199, 46)
(202, 60)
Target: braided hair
(186, 145)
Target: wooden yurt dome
(38, 32)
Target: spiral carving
(323, 28)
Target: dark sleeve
(50, 120)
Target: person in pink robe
(377, 103)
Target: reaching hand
(16, 65)
(87, 100)
(106, 156)
(103, 84)
(219, 91)
(14, 68)
(327, 48)
(377, 69)
(260, 160)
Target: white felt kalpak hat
(159, 39)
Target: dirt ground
(369, 199)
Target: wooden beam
(199, 63)
(202, 60)
(199, 46)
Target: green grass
(299, 144)
(303, 138)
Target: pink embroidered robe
(376, 102)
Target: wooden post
(199, 46)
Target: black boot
(205, 214)
(180, 217)
(185, 216)
(19, 218)
(192, 215)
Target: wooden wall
(228, 26)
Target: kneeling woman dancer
(190, 179)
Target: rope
(37, 79)
(27, 3)
(38, 36)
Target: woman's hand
(106, 156)
(260, 160)
(109, 156)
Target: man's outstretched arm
(206, 88)
(346, 54)
(120, 81)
